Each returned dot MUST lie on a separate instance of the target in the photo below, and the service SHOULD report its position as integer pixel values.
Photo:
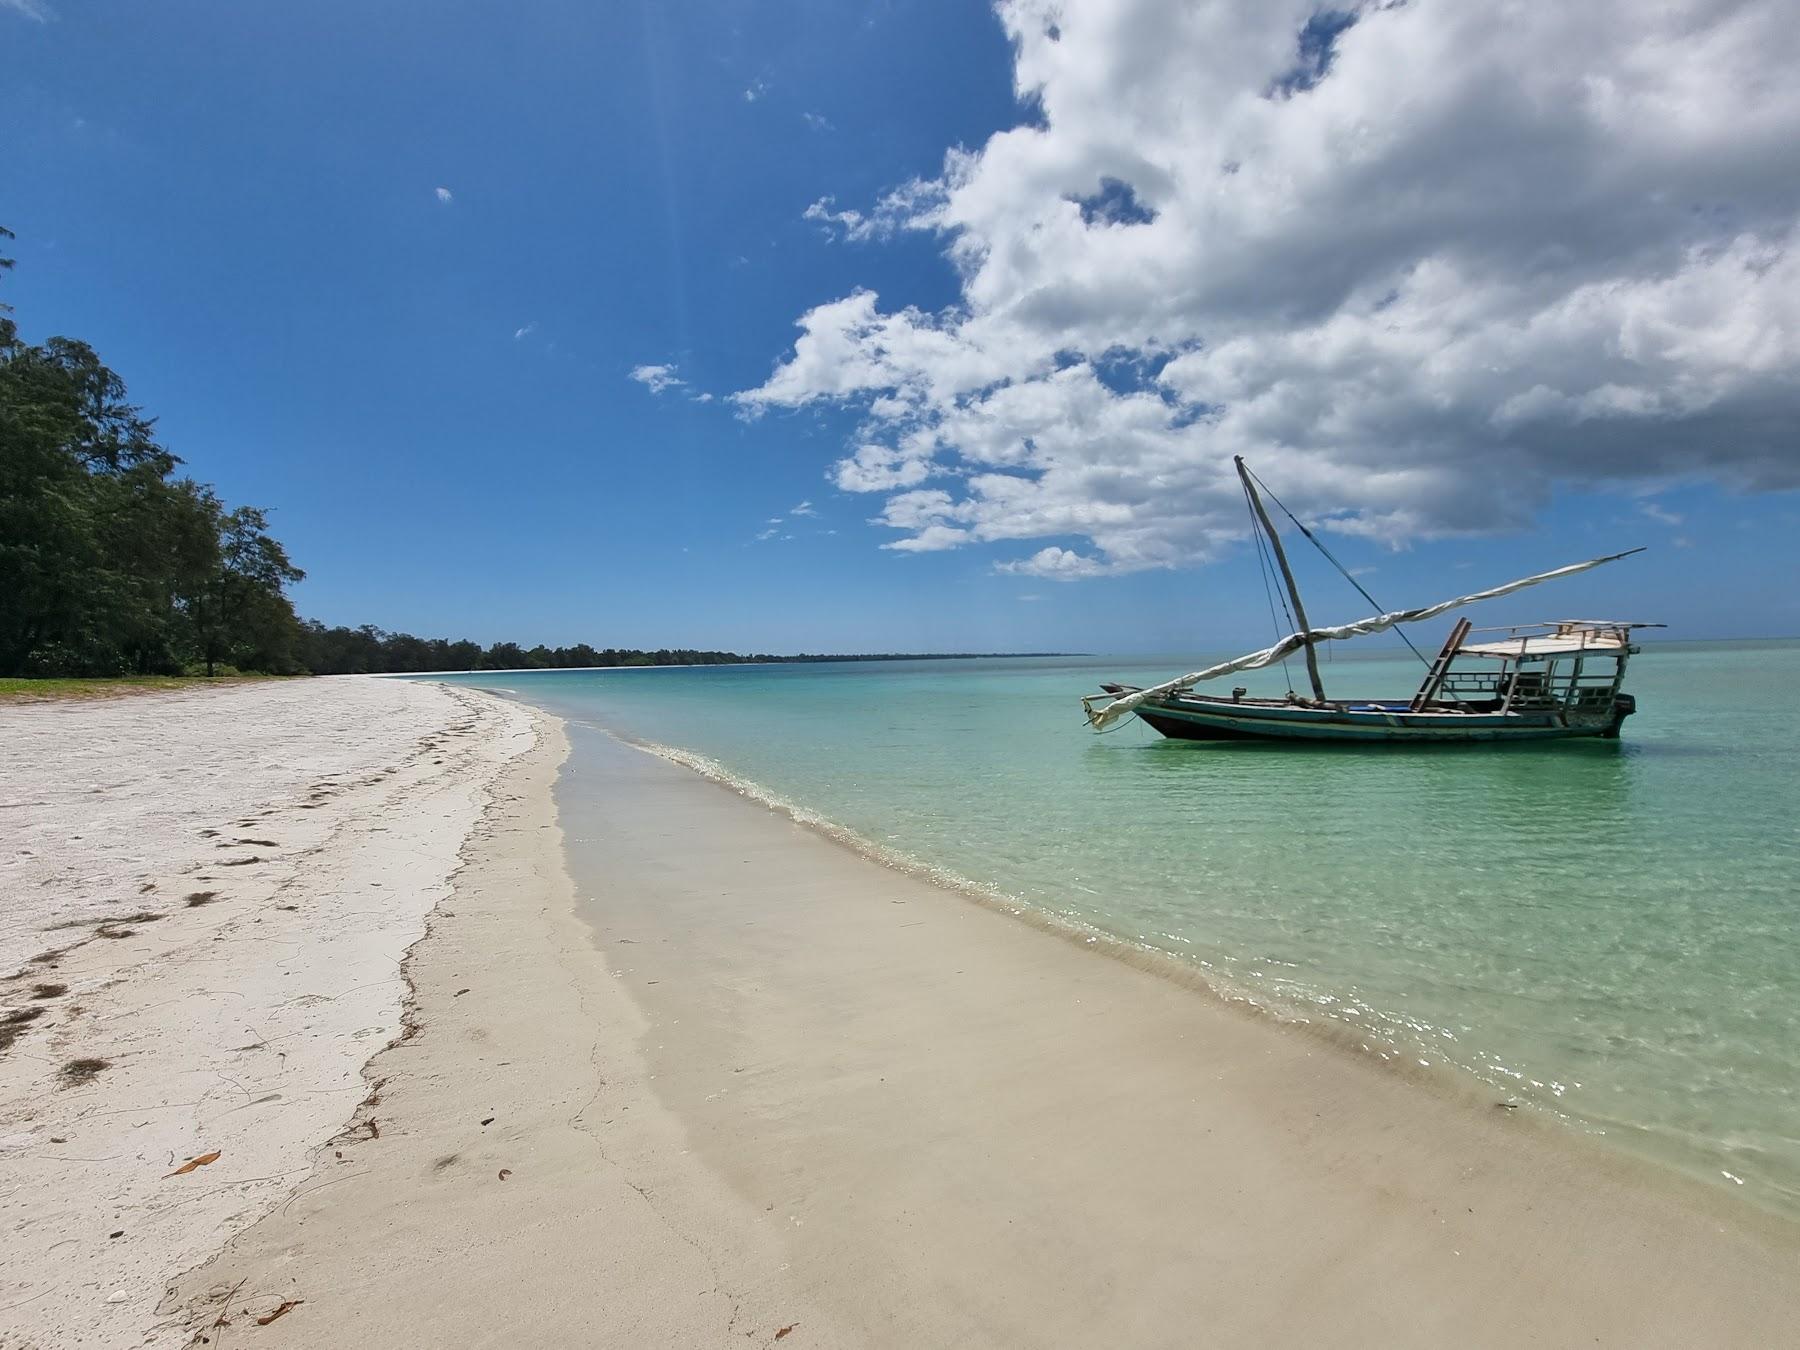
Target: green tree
(239, 612)
(91, 531)
(97, 538)
(505, 656)
(463, 655)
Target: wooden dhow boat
(1546, 681)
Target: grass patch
(61, 690)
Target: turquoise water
(1606, 930)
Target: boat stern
(1624, 705)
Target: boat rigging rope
(1332, 558)
(1262, 558)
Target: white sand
(239, 1025)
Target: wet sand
(973, 1131)
(511, 1178)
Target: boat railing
(1472, 684)
(1576, 686)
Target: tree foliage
(369, 651)
(110, 563)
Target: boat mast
(1287, 575)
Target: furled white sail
(1101, 718)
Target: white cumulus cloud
(1420, 263)
(444, 196)
(1060, 563)
(931, 539)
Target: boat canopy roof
(1564, 637)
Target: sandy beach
(669, 1069)
(208, 897)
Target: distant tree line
(369, 651)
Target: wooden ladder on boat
(1440, 667)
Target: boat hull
(1194, 719)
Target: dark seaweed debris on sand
(13, 1024)
(78, 1071)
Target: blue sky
(240, 207)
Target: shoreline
(510, 1175)
(1446, 1078)
(669, 1066)
(1356, 1146)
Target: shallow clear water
(1610, 930)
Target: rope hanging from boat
(1101, 718)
